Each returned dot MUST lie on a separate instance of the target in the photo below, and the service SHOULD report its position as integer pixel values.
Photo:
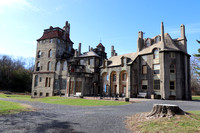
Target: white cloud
(20, 4)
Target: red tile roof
(56, 33)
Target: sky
(111, 22)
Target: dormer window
(157, 39)
(148, 42)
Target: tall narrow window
(172, 68)
(36, 80)
(38, 66)
(156, 69)
(39, 54)
(155, 54)
(114, 77)
(50, 53)
(46, 82)
(156, 84)
(65, 66)
(58, 66)
(124, 76)
(49, 66)
(49, 82)
(172, 85)
(144, 69)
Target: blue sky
(114, 22)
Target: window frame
(172, 85)
(144, 84)
(156, 54)
(155, 69)
(156, 84)
(144, 72)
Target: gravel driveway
(52, 118)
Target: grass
(195, 97)
(7, 107)
(66, 101)
(178, 124)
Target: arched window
(58, 66)
(38, 66)
(50, 53)
(49, 66)
(39, 54)
(155, 54)
(157, 39)
(172, 68)
(36, 80)
(148, 43)
(65, 66)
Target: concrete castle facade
(160, 67)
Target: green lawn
(178, 124)
(7, 107)
(195, 97)
(66, 101)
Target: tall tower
(52, 49)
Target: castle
(160, 68)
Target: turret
(140, 41)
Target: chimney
(162, 36)
(76, 53)
(183, 31)
(140, 41)
(79, 49)
(89, 48)
(112, 50)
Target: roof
(54, 33)
(116, 60)
(89, 54)
(100, 45)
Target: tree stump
(165, 110)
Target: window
(64, 83)
(35, 93)
(43, 41)
(38, 66)
(144, 69)
(155, 54)
(69, 48)
(88, 61)
(124, 89)
(46, 81)
(144, 84)
(49, 66)
(156, 84)
(49, 82)
(40, 79)
(41, 67)
(172, 85)
(157, 39)
(50, 53)
(50, 40)
(58, 41)
(172, 68)
(47, 94)
(148, 43)
(40, 93)
(58, 66)
(65, 66)
(114, 77)
(36, 80)
(172, 54)
(82, 62)
(39, 54)
(92, 62)
(124, 76)
(156, 69)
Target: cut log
(165, 110)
